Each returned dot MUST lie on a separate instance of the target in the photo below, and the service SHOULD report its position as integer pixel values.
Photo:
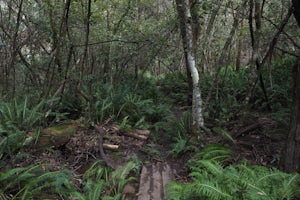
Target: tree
(186, 20)
(291, 154)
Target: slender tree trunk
(240, 43)
(84, 59)
(257, 6)
(221, 60)
(207, 38)
(184, 13)
(15, 50)
(180, 10)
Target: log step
(153, 181)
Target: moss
(56, 135)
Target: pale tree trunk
(184, 14)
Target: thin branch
(276, 36)
(285, 33)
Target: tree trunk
(257, 7)
(15, 50)
(184, 14)
(240, 44)
(291, 153)
(291, 159)
(221, 61)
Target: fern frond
(96, 191)
(175, 190)
(215, 152)
(210, 166)
(122, 173)
(207, 189)
(97, 171)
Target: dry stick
(110, 146)
(136, 136)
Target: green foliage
(179, 146)
(98, 178)
(17, 117)
(32, 182)
(213, 152)
(177, 131)
(70, 104)
(224, 133)
(120, 177)
(211, 180)
(175, 85)
(20, 114)
(231, 89)
(278, 82)
(183, 125)
(229, 93)
(134, 105)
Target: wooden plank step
(153, 181)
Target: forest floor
(82, 149)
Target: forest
(150, 99)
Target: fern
(17, 117)
(98, 172)
(210, 190)
(30, 182)
(211, 180)
(175, 191)
(214, 152)
(21, 114)
(93, 189)
(98, 177)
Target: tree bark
(185, 17)
(291, 157)
(291, 153)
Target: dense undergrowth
(152, 103)
(212, 179)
